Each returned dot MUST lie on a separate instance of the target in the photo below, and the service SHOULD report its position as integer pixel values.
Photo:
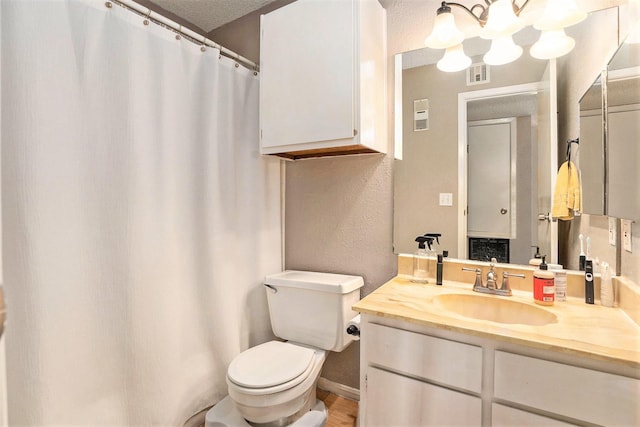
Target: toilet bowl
(274, 384)
(225, 414)
(275, 381)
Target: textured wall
(338, 218)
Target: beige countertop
(592, 331)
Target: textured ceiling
(210, 14)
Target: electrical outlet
(612, 231)
(626, 234)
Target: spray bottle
(421, 261)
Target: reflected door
(490, 184)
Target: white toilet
(274, 384)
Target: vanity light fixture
(499, 20)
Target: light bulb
(502, 21)
(503, 51)
(454, 59)
(552, 44)
(445, 33)
(559, 14)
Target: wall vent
(478, 74)
(420, 115)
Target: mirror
(428, 196)
(609, 131)
(623, 133)
(427, 177)
(592, 151)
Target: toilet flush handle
(272, 288)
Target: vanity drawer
(439, 360)
(396, 400)
(583, 394)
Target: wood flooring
(342, 412)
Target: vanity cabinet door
(504, 416)
(570, 391)
(396, 400)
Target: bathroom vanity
(444, 355)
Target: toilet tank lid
(324, 282)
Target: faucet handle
(505, 281)
(478, 282)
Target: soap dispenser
(537, 257)
(421, 260)
(543, 285)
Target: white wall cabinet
(323, 79)
(417, 375)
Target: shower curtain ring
(178, 36)
(108, 4)
(203, 48)
(146, 19)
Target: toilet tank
(313, 308)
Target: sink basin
(499, 310)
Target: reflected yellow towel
(567, 197)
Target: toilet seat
(282, 401)
(271, 367)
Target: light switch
(446, 199)
(626, 234)
(612, 231)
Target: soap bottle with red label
(543, 285)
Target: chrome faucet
(491, 287)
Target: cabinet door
(307, 74)
(571, 391)
(396, 400)
(504, 416)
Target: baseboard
(339, 389)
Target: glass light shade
(445, 34)
(634, 35)
(560, 14)
(503, 51)
(454, 59)
(502, 21)
(552, 44)
(634, 22)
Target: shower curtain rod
(190, 35)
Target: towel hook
(569, 142)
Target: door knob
(544, 217)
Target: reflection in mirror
(623, 132)
(429, 169)
(592, 151)
(430, 166)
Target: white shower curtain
(138, 218)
